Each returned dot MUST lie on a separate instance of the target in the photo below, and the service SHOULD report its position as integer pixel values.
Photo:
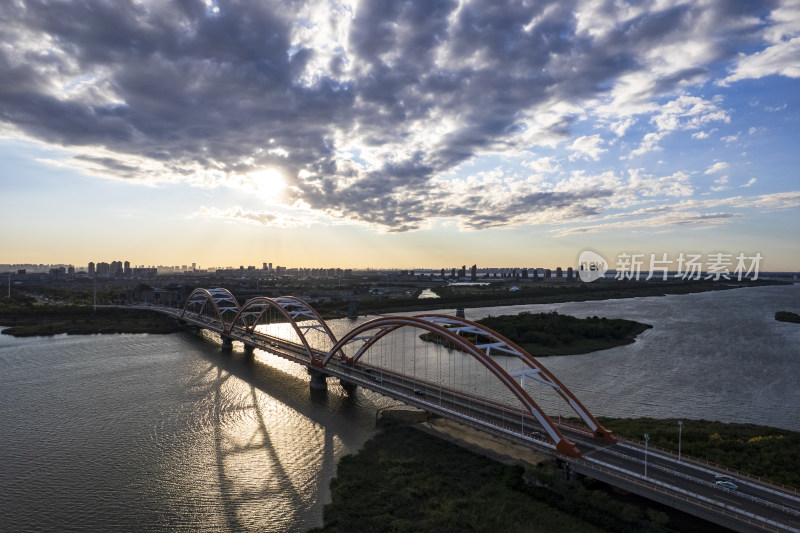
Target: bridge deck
(685, 484)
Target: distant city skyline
(399, 135)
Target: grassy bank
(761, 451)
(405, 480)
(452, 297)
(76, 320)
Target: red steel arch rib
(298, 313)
(386, 325)
(493, 341)
(223, 302)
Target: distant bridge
(483, 385)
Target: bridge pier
(569, 473)
(318, 379)
(227, 343)
(249, 349)
(348, 386)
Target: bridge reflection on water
(469, 372)
(477, 377)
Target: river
(155, 432)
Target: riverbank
(78, 320)
(25, 316)
(421, 474)
(493, 295)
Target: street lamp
(680, 427)
(646, 440)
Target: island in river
(787, 316)
(543, 334)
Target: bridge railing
(698, 462)
(716, 466)
(690, 498)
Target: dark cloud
(233, 91)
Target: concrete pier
(227, 343)
(318, 379)
(349, 387)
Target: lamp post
(646, 440)
(680, 428)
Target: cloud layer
(372, 111)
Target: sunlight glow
(268, 184)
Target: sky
(405, 134)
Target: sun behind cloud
(269, 184)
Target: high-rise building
(90, 268)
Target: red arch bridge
(466, 372)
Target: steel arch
(537, 370)
(291, 308)
(386, 325)
(222, 301)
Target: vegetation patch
(760, 451)
(543, 334)
(76, 320)
(787, 316)
(404, 480)
(497, 293)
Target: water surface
(155, 432)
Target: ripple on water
(153, 432)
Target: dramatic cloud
(686, 213)
(782, 55)
(363, 111)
